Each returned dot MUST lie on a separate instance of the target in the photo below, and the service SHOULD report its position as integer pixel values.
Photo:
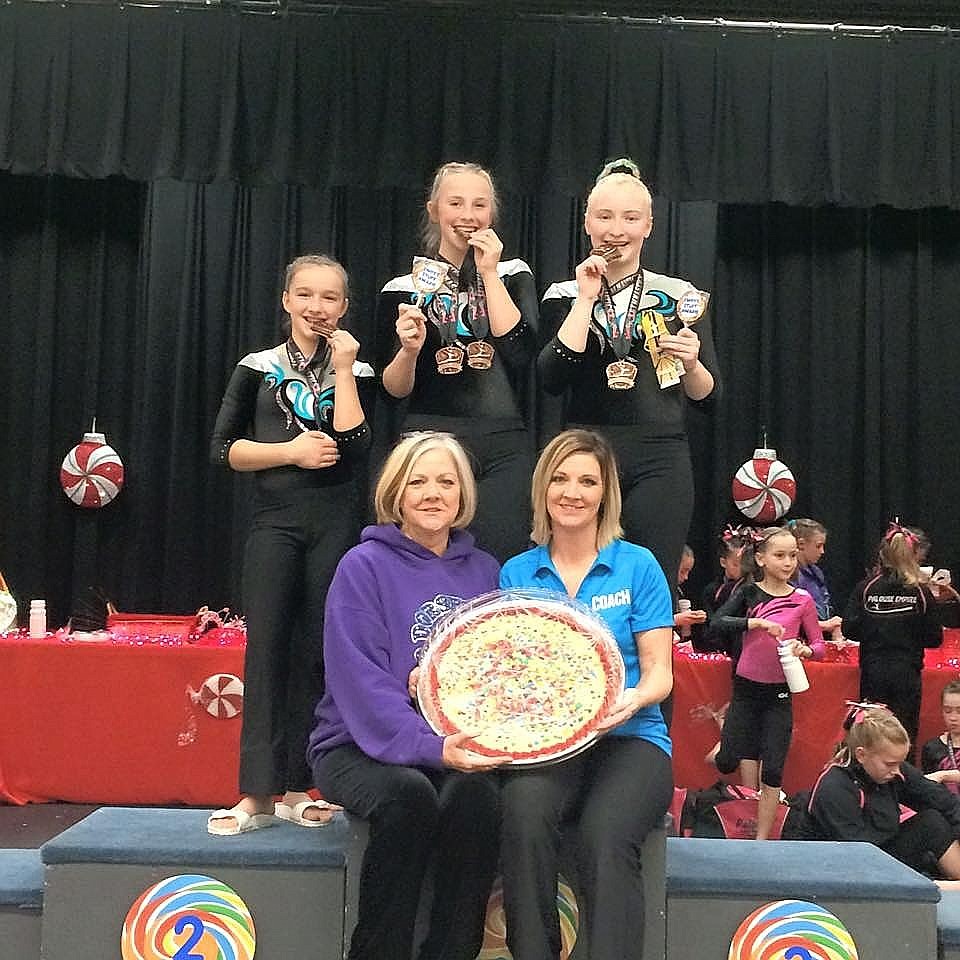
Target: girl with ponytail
(894, 617)
(858, 797)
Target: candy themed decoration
(8, 607)
(792, 930)
(764, 488)
(92, 472)
(495, 929)
(221, 695)
(188, 917)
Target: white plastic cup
(684, 606)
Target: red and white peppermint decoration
(221, 695)
(92, 472)
(764, 488)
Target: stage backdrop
(129, 287)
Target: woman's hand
(313, 450)
(628, 704)
(944, 776)
(411, 328)
(684, 345)
(344, 348)
(687, 618)
(589, 273)
(487, 250)
(412, 682)
(457, 756)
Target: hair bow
(897, 528)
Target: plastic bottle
(793, 670)
(683, 606)
(38, 619)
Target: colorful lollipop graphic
(189, 917)
(495, 931)
(792, 930)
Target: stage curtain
(375, 99)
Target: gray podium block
(948, 925)
(21, 901)
(713, 885)
(297, 882)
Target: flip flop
(245, 822)
(295, 813)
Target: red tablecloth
(112, 723)
(702, 686)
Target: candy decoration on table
(764, 488)
(188, 917)
(495, 929)
(8, 607)
(92, 472)
(221, 695)
(792, 930)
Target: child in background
(811, 540)
(894, 617)
(685, 619)
(765, 610)
(715, 594)
(938, 759)
(859, 794)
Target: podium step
(21, 900)
(888, 910)
(284, 891)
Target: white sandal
(244, 822)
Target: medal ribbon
(620, 337)
(308, 367)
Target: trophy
(428, 277)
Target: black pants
(758, 726)
(898, 685)
(921, 841)
(292, 551)
(503, 467)
(616, 793)
(415, 815)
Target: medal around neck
(428, 277)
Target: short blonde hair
(554, 453)
(396, 470)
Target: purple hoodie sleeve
(811, 629)
(374, 704)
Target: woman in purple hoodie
(370, 749)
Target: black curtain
(375, 99)
(132, 304)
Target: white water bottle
(683, 606)
(38, 619)
(793, 671)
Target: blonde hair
(622, 171)
(554, 453)
(316, 260)
(395, 475)
(898, 556)
(868, 729)
(803, 528)
(430, 231)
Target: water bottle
(793, 671)
(38, 619)
(683, 606)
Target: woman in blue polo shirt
(619, 790)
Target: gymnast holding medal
(457, 339)
(622, 348)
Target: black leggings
(921, 841)
(415, 814)
(293, 548)
(758, 726)
(898, 685)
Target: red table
(114, 723)
(702, 686)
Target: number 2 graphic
(196, 933)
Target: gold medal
(479, 355)
(450, 359)
(621, 374)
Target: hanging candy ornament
(92, 472)
(221, 695)
(8, 607)
(764, 488)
